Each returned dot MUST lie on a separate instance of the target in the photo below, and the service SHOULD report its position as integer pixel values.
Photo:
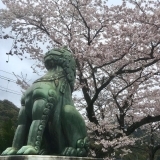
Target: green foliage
(137, 154)
(8, 111)
(8, 121)
(6, 135)
(157, 156)
(142, 148)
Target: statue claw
(69, 151)
(81, 152)
(9, 151)
(27, 150)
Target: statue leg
(75, 132)
(39, 120)
(20, 134)
(40, 114)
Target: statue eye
(49, 64)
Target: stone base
(40, 157)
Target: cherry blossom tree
(117, 52)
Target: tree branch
(143, 121)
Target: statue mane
(64, 58)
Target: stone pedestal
(40, 157)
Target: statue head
(51, 57)
(64, 58)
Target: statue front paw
(69, 151)
(81, 150)
(9, 151)
(28, 150)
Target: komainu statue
(48, 123)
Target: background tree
(6, 134)
(8, 122)
(117, 51)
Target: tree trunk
(151, 155)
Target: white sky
(7, 78)
(17, 66)
(6, 73)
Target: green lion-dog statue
(48, 123)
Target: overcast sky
(7, 79)
(8, 88)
